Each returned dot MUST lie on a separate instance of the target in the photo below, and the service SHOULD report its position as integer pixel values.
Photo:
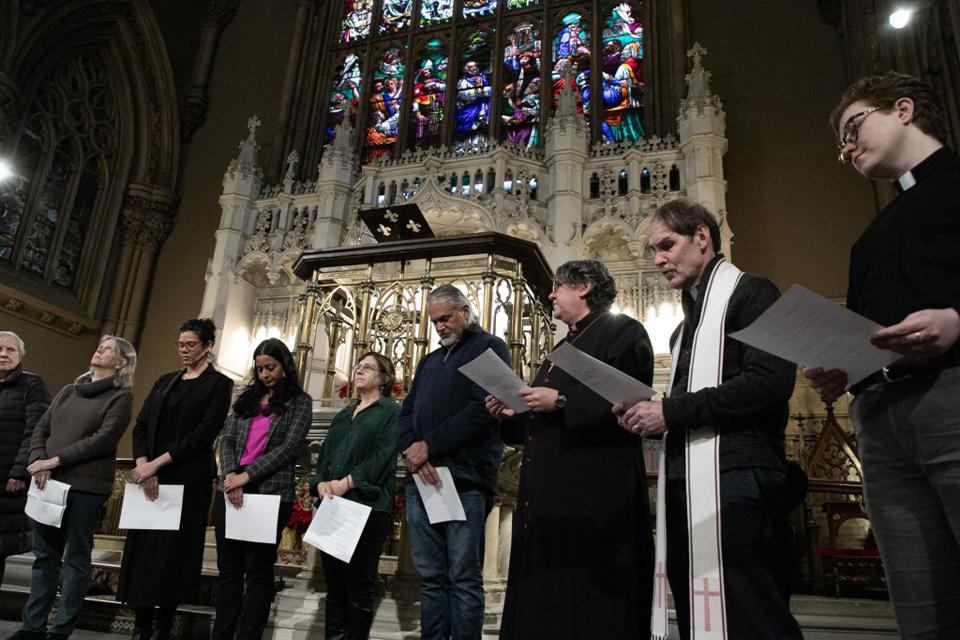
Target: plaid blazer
(272, 472)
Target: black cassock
(581, 562)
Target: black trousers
(349, 602)
(754, 509)
(245, 586)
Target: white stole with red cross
(707, 603)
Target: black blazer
(196, 417)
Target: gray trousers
(909, 440)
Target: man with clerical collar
(723, 460)
(905, 275)
(443, 423)
(581, 557)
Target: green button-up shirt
(364, 447)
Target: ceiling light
(900, 18)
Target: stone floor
(9, 627)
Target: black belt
(899, 371)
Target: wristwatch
(561, 401)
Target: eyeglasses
(851, 131)
(187, 346)
(365, 367)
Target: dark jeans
(449, 560)
(349, 601)
(69, 546)
(245, 586)
(909, 441)
(753, 505)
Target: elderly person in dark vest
(581, 561)
(23, 399)
(75, 442)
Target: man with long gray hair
(23, 399)
(443, 423)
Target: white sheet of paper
(813, 331)
(441, 503)
(497, 379)
(47, 506)
(336, 527)
(608, 382)
(255, 521)
(161, 514)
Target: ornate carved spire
(343, 142)
(699, 95)
(245, 164)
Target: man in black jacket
(729, 401)
(443, 423)
(905, 275)
(23, 399)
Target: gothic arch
(120, 43)
(609, 239)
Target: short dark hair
(387, 372)
(248, 402)
(604, 290)
(884, 90)
(684, 216)
(203, 327)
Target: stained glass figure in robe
(395, 15)
(356, 23)
(344, 95)
(435, 11)
(622, 84)
(571, 51)
(520, 105)
(429, 90)
(520, 4)
(385, 98)
(474, 90)
(472, 8)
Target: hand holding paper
(336, 527)
(608, 382)
(497, 379)
(47, 505)
(162, 513)
(255, 521)
(441, 501)
(812, 331)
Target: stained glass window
(71, 250)
(473, 89)
(571, 51)
(395, 15)
(385, 97)
(519, 4)
(473, 8)
(520, 102)
(429, 91)
(622, 75)
(356, 21)
(15, 190)
(435, 11)
(344, 95)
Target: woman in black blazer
(172, 444)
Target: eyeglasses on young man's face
(851, 130)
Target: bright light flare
(900, 18)
(6, 171)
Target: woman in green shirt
(358, 461)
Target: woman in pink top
(258, 450)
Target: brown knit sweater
(83, 426)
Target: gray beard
(449, 341)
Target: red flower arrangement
(344, 390)
(302, 513)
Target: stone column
(566, 139)
(702, 127)
(491, 544)
(145, 222)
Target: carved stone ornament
(699, 96)
(244, 165)
(145, 222)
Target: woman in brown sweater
(75, 442)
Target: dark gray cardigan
(83, 426)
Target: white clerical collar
(906, 180)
